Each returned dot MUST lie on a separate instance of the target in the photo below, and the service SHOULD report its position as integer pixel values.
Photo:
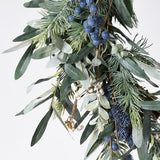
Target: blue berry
(107, 139)
(129, 140)
(71, 18)
(88, 29)
(110, 113)
(91, 22)
(122, 133)
(89, 17)
(93, 9)
(114, 146)
(77, 11)
(95, 18)
(100, 20)
(94, 36)
(89, 2)
(105, 35)
(96, 42)
(96, 30)
(103, 41)
(83, 3)
(85, 23)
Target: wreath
(98, 77)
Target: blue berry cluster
(122, 117)
(92, 25)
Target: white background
(16, 132)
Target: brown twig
(109, 9)
(116, 132)
(99, 3)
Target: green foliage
(100, 76)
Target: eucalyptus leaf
(39, 100)
(41, 127)
(96, 62)
(103, 114)
(150, 70)
(73, 72)
(150, 105)
(123, 12)
(62, 45)
(137, 135)
(24, 62)
(33, 3)
(88, 130)
(26, 36)
(19, 46)
(53, 62)
(88, 98)
(104, 102)
(45, 52)
(76, 57)
(92, 105)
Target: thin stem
(116, 132)
(107, 15)
(110, 143)
(99, 3)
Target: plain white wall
(16, 132)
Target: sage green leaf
(137, 135)
(53, 62)
(62, 45)
(26, 36)
(88, 98)
(39, 100)
(150, 70)
(19, 46)
(88, 130)
(76, 57)
(132, 66)
(104, 102)
(33, 4)
(92, 105)
(156, 93)
(24, 62)
(108, 130)
(33, 104)
(45, 52)
(103, 114)
(81, 119)
(28, 29)
(92, 141)
(73, 72)
(29, 88)
(58, 116)
(41, 127)
(96, 62)
(123, 12)
(150, 105)
(129, 5)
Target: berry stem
(99, 3)
(73, 109)
(109, 9)
(116, 132)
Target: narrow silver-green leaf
(137, 135)
(104, 102)
(62, 45)
(45, 52)
(92, 105)
(24, 62)
(19, 46)
(150, 105)
(73, 72)
(41, 127)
